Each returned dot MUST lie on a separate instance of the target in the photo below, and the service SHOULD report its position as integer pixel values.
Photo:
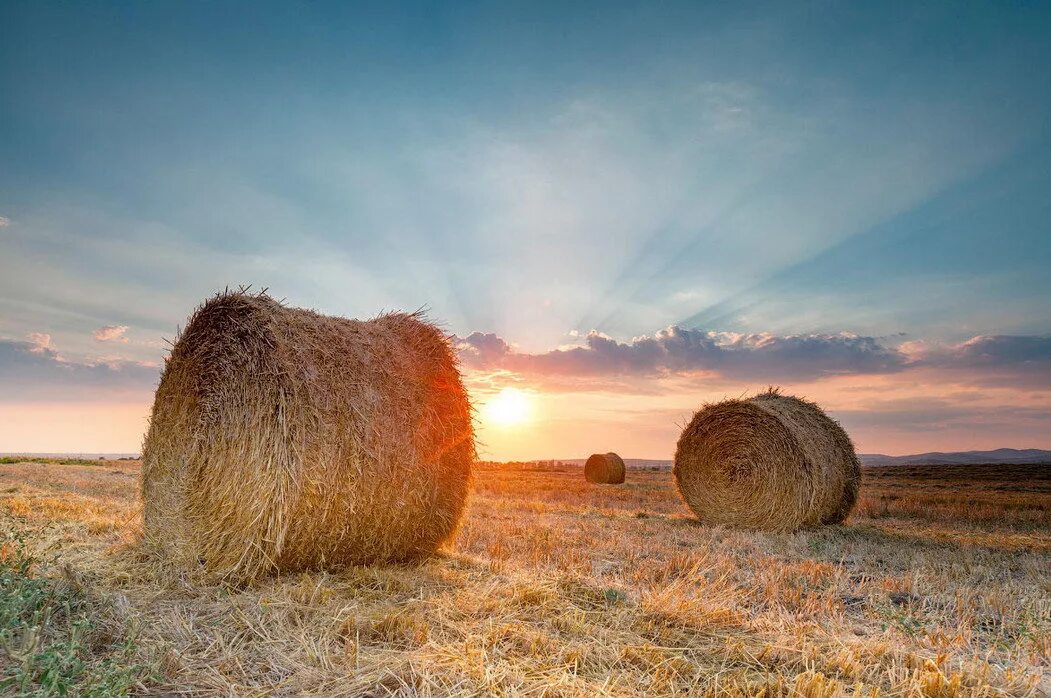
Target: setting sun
(508, 407)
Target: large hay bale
(771, 462)
(604, 469)
(283, 440)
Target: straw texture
(604, 469)
(282, 440)
(771, 462)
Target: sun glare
(508, 407)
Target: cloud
(39, 341)
(1016, 360)
(676, 351)
(679, 351)
(33, 371)
(989, 350)
(111, 333)
(4, 222)
(482, 350)
(940, 414)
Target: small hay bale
(604, 469)
(771, 462)
(284, 440)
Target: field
(938, 585)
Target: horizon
(617, 214)
(138, 455)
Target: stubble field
(938, 585)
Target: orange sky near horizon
(73, 427)
(636, 422)
(621, 214)
(575, 424)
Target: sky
(620, 211)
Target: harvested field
(937, 585)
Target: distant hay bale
(604, 469)
(283, 440)
(771, 462)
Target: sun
(507, 408)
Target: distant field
(1014, 496)
(938, 585)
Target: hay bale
(283, 440)
(771, 462)
(604, 469)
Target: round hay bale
(283, 440)
(604, 469)
(771, 462)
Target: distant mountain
(1000, 455)
(86, 456)
(641, 463)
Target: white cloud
(111, 333)
(999, 360)
(4, 222)
(32, 371)
(676, 350)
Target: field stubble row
(939, 584)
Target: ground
(938, 585)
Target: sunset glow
(508, 408)
(526, 347)
(658, 210)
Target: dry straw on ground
(282, 440)
(770, 462)
(604, 469)
(561, 588)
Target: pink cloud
(39, 341)
(681, 351)
(731, 357)
(32, 371)
(989, 360)
(111, 333)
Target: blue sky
(535, 171)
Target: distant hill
(628, 462)
(85, 456)
(1000, 455)
(1003, 456)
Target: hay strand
(772, 462)
(604, 469)
(282, 440)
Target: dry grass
(556, 587)
(772, 462)
(282, 439)
(604, 469)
